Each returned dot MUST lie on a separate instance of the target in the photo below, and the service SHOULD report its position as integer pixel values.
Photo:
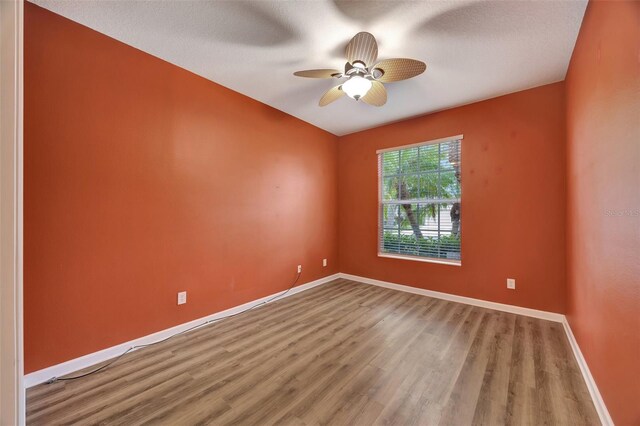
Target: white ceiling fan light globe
(356, 87)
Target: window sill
(422, 259)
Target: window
(420, 201)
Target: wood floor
(341, 353)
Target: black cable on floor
(132, 348)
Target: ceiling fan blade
(377, 95)
(323, 73)
(331, 95)
(398, 69)
(362, 47)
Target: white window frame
(452, 262)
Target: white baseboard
(598, 402)
(550, 316)
(88, 360)
(605, 418)
(85, 361)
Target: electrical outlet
(299, 269)
(511, 283)
(182, 298)
(324, 262)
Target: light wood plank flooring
(341, 353)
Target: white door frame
(12, 394)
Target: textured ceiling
(473, 49)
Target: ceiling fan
(365, 76)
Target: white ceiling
(473, 49)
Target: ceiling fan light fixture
(356, 87)
(365, 76)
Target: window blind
(420, 200)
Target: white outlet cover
(299, 268)
(182, 298)
(324, 262)
(511, 283)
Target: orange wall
(142, 180)
(513, 202)
(603, 209)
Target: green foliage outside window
(446, 247)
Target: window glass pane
(390, 188)
(390, 163)
(409, 187)
(449, 155)
(429, 157)
(409, 162)
(449, 186)
(408, 218)
(429, 185)
(390, 216)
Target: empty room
(334, 212)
